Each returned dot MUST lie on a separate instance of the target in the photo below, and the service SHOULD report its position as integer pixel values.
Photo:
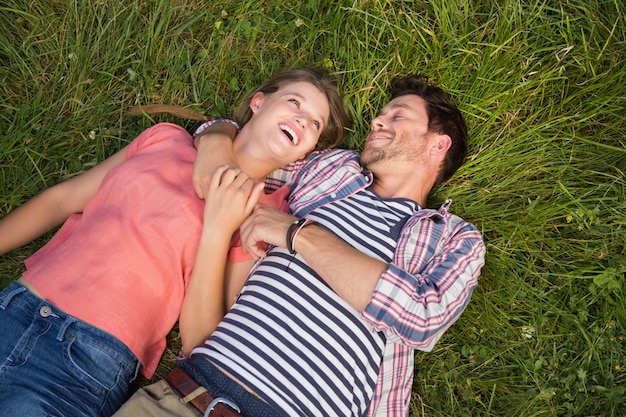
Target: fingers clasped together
(230, 197)
(232, 202)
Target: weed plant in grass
(542, 85)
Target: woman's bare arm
(53, 206)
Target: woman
(96, 303)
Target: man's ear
(257, 101)
(441, 144)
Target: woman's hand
(230, 198)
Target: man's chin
(371, 157)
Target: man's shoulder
(442, 217)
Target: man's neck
(399, 191)
(413, 185)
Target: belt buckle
(224, 401)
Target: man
(359, 275)
(417, 141)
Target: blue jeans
(52, 364)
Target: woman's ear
(257, 101)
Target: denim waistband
(67, 326)
(218, 384)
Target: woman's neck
(250, 162)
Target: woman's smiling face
(289, 121)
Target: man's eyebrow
(394, 106)
(402, 106)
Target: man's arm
(215, 149)
(349, 272)
(414, 300)
(429, 283)
(352, 274)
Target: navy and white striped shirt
(429, 280)
(292, 339)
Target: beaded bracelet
(292, 232)
(205, 125)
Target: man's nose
(377, 123)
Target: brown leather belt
(204, 402)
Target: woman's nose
(301, 120)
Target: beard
(373, 157)
(370, 158)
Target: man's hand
(352, 274)
(265, 224)
(215, 149)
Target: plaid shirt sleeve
(392, 393)
(421, 294)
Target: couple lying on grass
(350, 271)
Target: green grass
(541, 83)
